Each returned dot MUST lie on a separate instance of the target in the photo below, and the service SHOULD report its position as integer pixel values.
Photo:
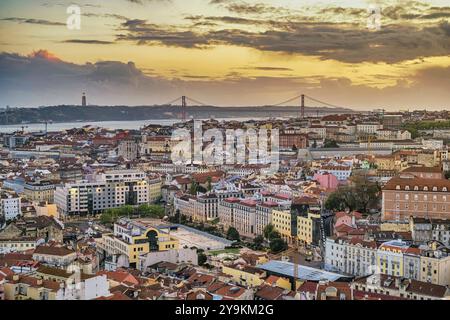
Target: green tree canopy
(233, 234)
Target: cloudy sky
(226, 52)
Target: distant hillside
(67, 113)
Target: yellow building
(154, 189)
(132, 238)
(45, 209)
(30, 288)
(245, 275)
(39, 191)
(390, 257)
(395, 226)
(282, 221)
(435, 266)
(305, 228)
(279, 282)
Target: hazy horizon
(226, 53)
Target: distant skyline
(226, 52)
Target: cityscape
(312, 172)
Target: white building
(342, 173)
(368, 128)
(111, 189)
(9, 206)
(352, 256)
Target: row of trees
(145, 210)
(414, 127)
(270, 234)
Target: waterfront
(115, 125)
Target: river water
(126, 125)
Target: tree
(361, 194)
(233, 234)
(447, 175)
(153, 211)
(268, 230)
(278, 245)
(258, 242)
(274, 235)
(328, 143)
(202, 258)
(193, 188)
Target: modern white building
(111, 189)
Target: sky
(358, 54)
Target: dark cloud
(82, 41)
(348, 43)
(34, 21)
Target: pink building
(343, 218)
(327, 180)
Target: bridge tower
(303, 106)
(183, 108)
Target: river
(127, 125)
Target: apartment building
(17, 244)
(55, 255)
(308, 228)
(342, 173)
(368, 128)
(111, 189)
(9, 206)
(352, 256)
(390, 257)
(185, 205)
(408, 195)
(293, 141)
(245, 217)
(424, 230)
(435, 265)
(39, 191)
(401, 287)
(282, 221)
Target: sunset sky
(226, 52)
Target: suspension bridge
(302, 101)
(184, 101)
